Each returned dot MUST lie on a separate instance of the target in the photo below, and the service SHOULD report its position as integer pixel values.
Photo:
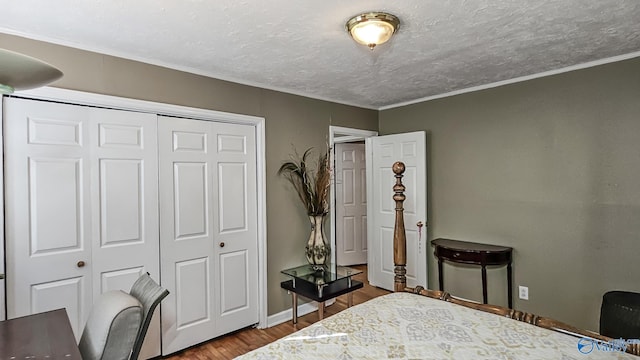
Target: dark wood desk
(465, 252)
(46, 335)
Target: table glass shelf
(320, 285)
(321, 277)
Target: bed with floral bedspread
(403, 325)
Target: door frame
(120, 103)
(339, 134)
(3, 298)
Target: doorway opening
(348, 196)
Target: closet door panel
(120, 279)
(235, 227)
(61, 293)
(124, 196)
(124, 173)
(234, 276)
(82, 209)
(48, 222)
(55, 194)
(192, 293)
(232, 204)
(208, 218)
(185, 232)
(121, 208)
(191, 213)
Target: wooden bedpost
(399, 235)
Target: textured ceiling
(302, 47)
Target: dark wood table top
(46, 335)
(469, 246)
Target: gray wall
(550, 167)
(290, 121)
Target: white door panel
(192, 293)
(351, 204)
(120, 279)
(60, 294)
(124, 171)
(232, 205)
(120, 200)
(236, 231)
(382, 152)
(185, 237)
(235, 280)
(55, 187)
(208, 229)
(48, 222)
(191, 207)
(83, 207)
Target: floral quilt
(409, 326)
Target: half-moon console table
(477, 254)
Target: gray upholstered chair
(150, 294)
(112, 326)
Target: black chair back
(620, 315)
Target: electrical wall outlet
(523, 292)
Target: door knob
(222, 244)
(80, 264)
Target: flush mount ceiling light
(372, 29)
(21, 72)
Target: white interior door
(235, 226)
(48, 212)
(186, 240)
(82, 210)
(351, 204)
(124, 177)
(382, 152)
(208, 229)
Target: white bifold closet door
(208, 229)
(81, 207)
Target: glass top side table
(320, 285)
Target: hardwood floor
(243, 341)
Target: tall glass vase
(317, 249)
